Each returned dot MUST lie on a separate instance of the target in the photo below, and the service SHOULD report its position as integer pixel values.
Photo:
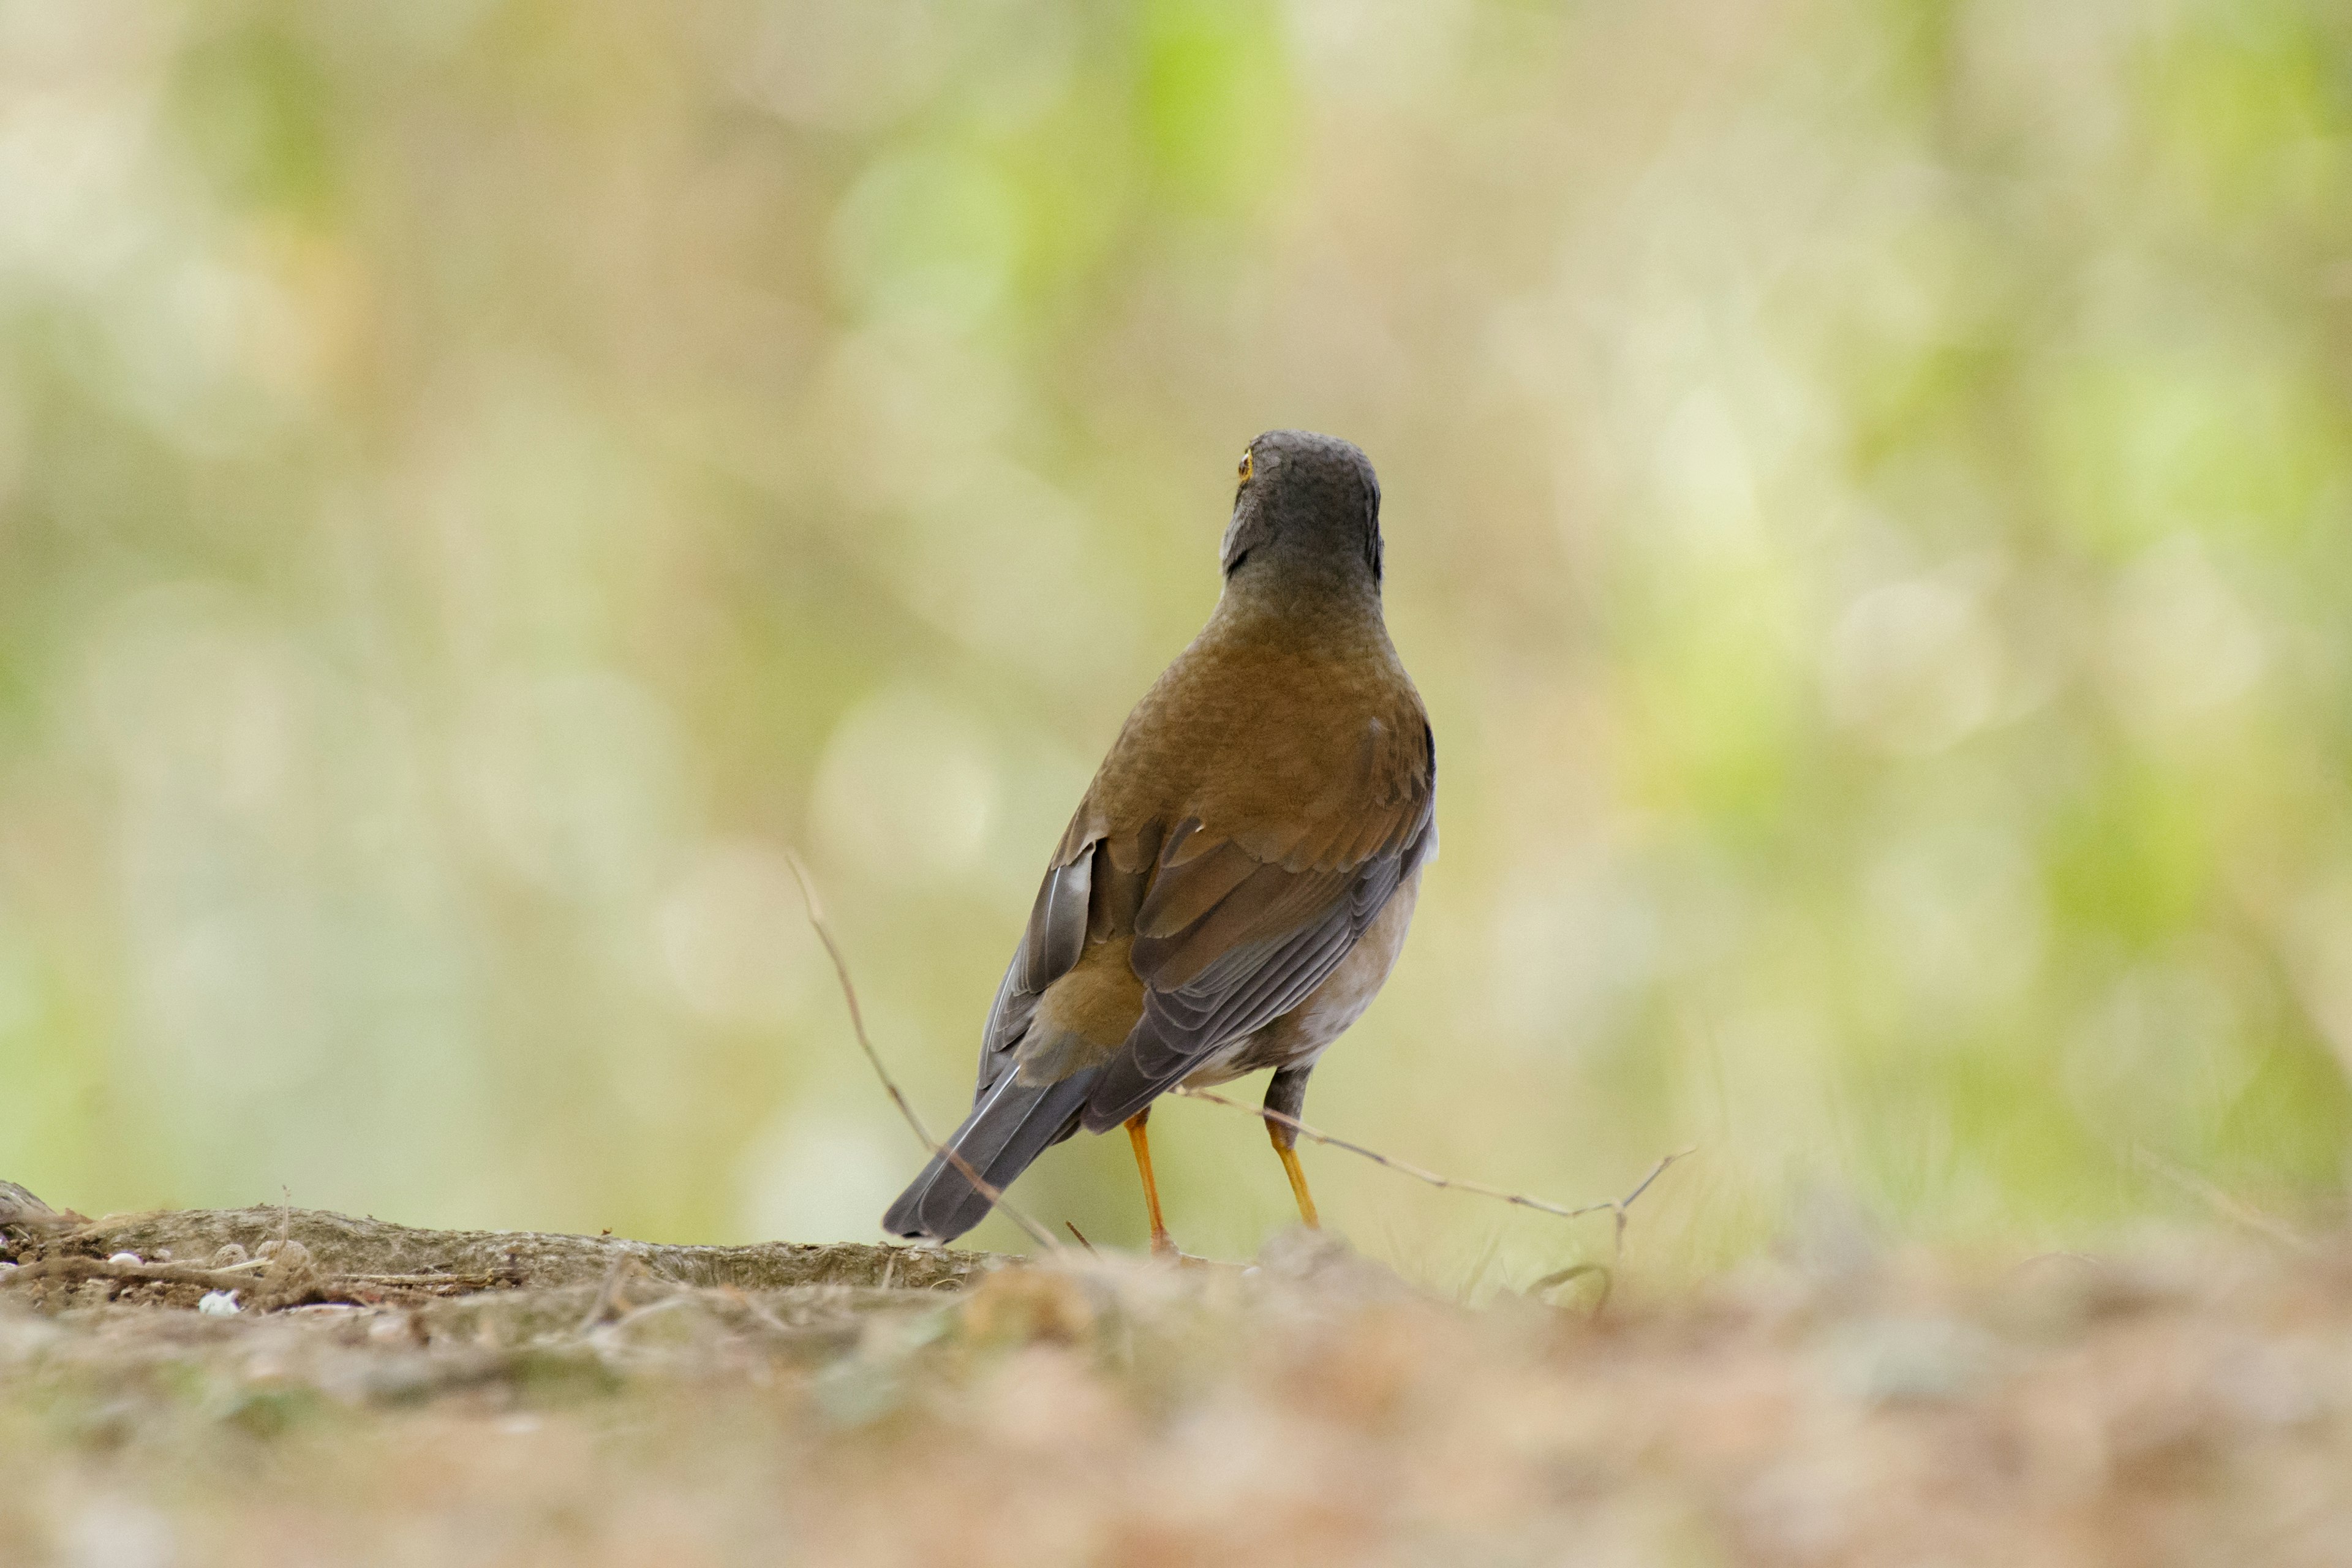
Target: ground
(391, 1396)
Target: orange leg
(1162, 1244)
(1284, 1140)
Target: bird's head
(1306, 516)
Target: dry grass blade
(1037, 1233)
(1422, 1173)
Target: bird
(1235, 885)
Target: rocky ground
(294, 1387)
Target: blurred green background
(1869, 497)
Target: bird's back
(1304, 754)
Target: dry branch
(1037, 1233)
(1616, 1205)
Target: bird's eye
(1247, 467)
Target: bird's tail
(1013, 1124)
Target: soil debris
(2189, 1403)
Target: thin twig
(1080, 1235)
(679, 1297)
(1618, 1206)
(765, 1317)
(1621, 1204)
(1037, 1233)
(250, 1263)
(609, 1294)
(2225, 1204)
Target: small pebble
(131, 1257)
(228, 1256)
(218, 1304)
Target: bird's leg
(1162, 1244)
(1284, 1138)
(1288, 1094)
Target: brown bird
(1237, 881)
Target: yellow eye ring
(1247, 467)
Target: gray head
(1307, 512)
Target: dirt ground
(397, 1396)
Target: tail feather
(1013, 1124)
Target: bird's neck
(1336, 604)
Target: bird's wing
(1050, 944)
(1239, 926)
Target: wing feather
(1051, 945)
(1228, 940)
